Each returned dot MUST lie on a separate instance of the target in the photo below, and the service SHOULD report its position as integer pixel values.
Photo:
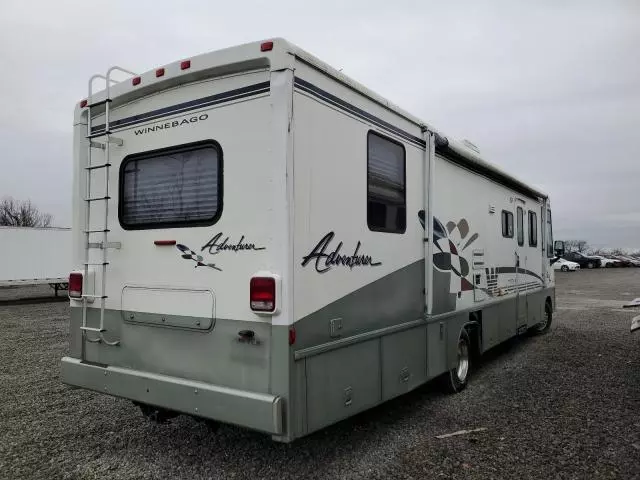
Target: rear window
(174, 187)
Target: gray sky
(548, 90)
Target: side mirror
(558, 248)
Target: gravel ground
(564, 405)
(30, 294)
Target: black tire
(564, 268)
(591, 265)
(544, 326)
(455, 380)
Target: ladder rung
(93, 329)
(99, 102)
(97, 264)
(93, 167)
(102, 230)
(95, 199)
(94, 296)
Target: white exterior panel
(253, 199)
(330, 157)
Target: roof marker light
(185, 64)
(83, 103)
(160, 72)
(136, 81)
(266, 46)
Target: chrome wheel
(545, 324)
(455, 380)
(463, 360)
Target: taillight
(262, 294)
(266, 46)
(292, 335)
(75, 285)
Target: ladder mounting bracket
(100, 245)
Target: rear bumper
(258, 411)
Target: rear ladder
(104, 245)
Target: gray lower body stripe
(362, 337)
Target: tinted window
(507, 224)
(520, 220)
(533, 229)
(386, 195)
(173, 187)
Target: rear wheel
(564, 268)
(545, 324)
(590, 265)
(456, 379)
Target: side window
(173, 187)
(386, 185)
(549, 236)
(507, 224)
(533, 229)
(520, 220)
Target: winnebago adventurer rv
(259, 240)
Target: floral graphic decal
(450, 242)
(189, 254)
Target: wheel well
(474, 329)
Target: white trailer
(35, 256)
(260, 240)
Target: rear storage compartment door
(192, 203)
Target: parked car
(585, 261)
(566, 265)
(607, 262)
(623, 261)
(634, 261)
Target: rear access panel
(169, 307)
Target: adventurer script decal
(325, 258)
(218, 243)
(216, 246)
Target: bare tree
(22, 213)
(575, 246)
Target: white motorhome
(260, 240)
